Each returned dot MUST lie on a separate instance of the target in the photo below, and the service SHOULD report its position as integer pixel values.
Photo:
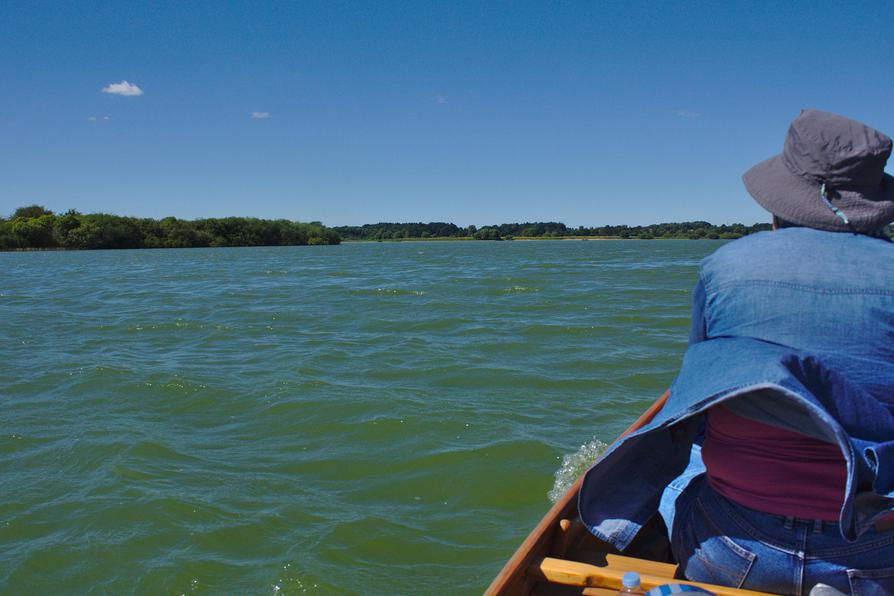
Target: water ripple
(258, 420)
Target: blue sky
(589, 113)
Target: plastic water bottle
(630, 583)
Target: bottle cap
(630, 579)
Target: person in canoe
(772, 462)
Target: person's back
(830, 294)
(825, 293)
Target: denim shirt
(793, 328)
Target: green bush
(36, 227)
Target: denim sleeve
(697, 331)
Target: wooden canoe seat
(599, 581)
(641, 566)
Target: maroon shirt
(773, 470)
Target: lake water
(365, 418)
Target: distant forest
(35, 227)
(694, 230)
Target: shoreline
(517, 239)
(393, 240)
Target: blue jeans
(717, 541)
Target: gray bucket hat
(830, 175)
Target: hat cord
(825, 197)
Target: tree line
(694, 230)
(35, 227)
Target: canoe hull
(549, 537)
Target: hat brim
(798, 200)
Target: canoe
(560, 557)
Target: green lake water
(366, 418)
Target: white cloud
(260, 115)
(688, 114)
(123, 88)
(98, 118)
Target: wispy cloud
(98, 118)
(260, 115)
(123, 88)
(440, 99)
(688, 114)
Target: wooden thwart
(641, 566)
(572, 573)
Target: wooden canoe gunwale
(513, 578)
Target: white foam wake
(573, 465)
